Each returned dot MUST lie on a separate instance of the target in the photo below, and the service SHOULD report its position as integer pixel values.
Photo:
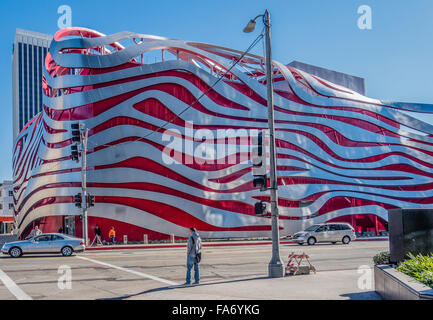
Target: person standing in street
(97, 238)
(112, 235)
(193, 256)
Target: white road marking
(13, 288)
(144, 275)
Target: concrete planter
(394, 285)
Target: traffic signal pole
(275, 267)
(85, 133)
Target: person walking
(193, 256)
(112, 235)
(35, 232)
(97, 237)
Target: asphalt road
(233, 272)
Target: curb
(372, 239)
(161, 246)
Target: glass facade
(31, 59)
(20, 80)
(30, 51)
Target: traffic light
(259, 162)
(74, 152)
(90, 200)
(259, 208)
(78, 199)
(260, 182)
(76, 136)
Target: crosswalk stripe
(144, 275)
(13, 287)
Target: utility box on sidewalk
(410, 230)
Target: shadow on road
(180, 287)
(368, 295)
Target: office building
(28, 57)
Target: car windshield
(312, 228)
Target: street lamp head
(250, 26)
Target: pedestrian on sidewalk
(112, 235)
(193, 256)
(97, 237)
(35, 232)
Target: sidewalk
(325, 285)
(208, 244)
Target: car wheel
(15, 252)
(346, 239)
(67, 251)
(300, 243)
(311, 241)
(334, 242)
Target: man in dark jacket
(193, 254)
(97, 238)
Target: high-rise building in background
(29, 51)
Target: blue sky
(395, 57)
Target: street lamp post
(276, 267)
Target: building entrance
(69, 223)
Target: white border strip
(13, 287)
(144, 275)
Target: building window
(30, 84)
(11, 206)
(20, 77)
(1, 206)
(35, 80)
(11, 193)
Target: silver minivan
(326, 232)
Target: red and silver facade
(340, 155)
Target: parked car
(326, 232)
(45, 243)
